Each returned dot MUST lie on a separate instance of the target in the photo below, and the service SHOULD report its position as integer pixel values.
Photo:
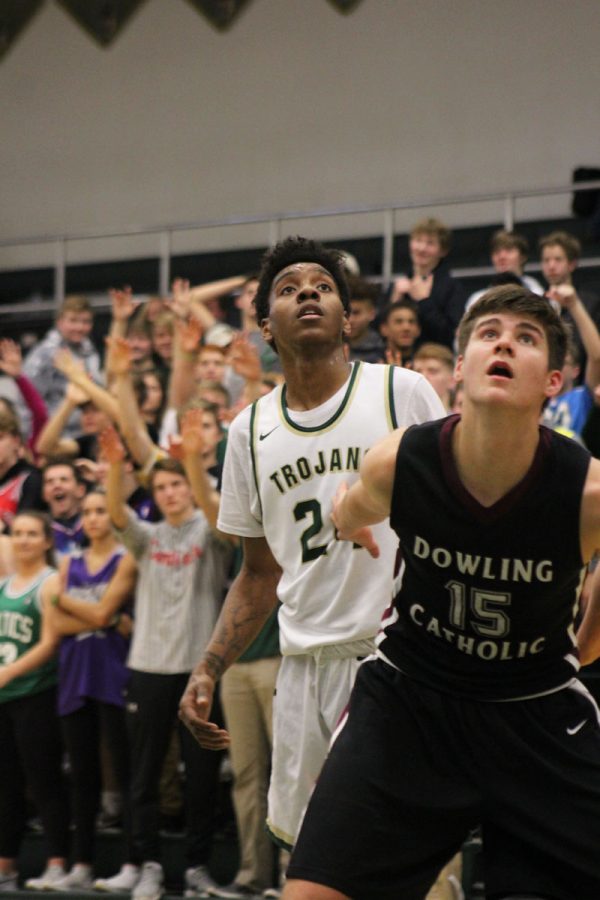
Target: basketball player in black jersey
(472, 711)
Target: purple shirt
(92, 663)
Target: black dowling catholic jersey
(488, 595)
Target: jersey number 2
(302, 510)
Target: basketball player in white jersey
(286, 456)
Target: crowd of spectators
(134, 433)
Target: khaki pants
(247, 696)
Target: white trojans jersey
(282, 469)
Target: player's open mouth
(500, 370)
(309, 312)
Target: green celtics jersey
(20, 630)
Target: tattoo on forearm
(214, 665)
(242, 617)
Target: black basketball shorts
(413, 770)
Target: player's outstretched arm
(248, 604)
(369, 499)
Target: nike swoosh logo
(576, 728)
(261, 437)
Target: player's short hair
(434, 228)
(363, 290)
(518, 301)
(435, 351)
(568, 242)
(509, 240)
(297, 250)
(74, 303)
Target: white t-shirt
(282, 469)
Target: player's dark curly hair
(294, 250)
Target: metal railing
(274, 229)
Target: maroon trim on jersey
(504, 505)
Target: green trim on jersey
(391, 409)
(316, 429)
(253, 452)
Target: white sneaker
(151, 883)
(122, 883)
(235, 891)
(45, 881)
(78, 879)
(198, 882)
(8, 881)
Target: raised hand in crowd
(192, 431)
(129, 417)
(181, 299)
(11, 363)
(71, 367)
(11, 360)
(75, 394)
(189, 334)
(123, 304)
(188, 301)
(123, 307)
(111, 446)
(245, 362)
(244, 359)
(190, 439)
(52, 438)
(118, 356)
